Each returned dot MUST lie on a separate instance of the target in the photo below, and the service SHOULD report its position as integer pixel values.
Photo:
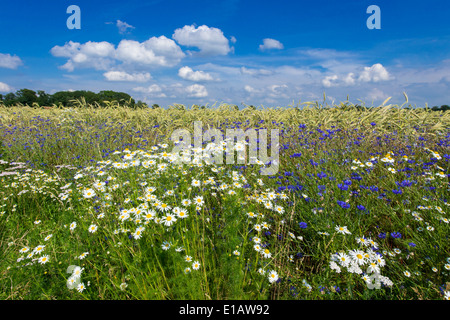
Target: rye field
(95, 205)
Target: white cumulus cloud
(159, 51)
(250, 89)
(123, 26)
(154, 91)
(349, 79)
(97, 55)
(124, 76)
(330, 81)
(270, 44)
(210, 41)
(5, 88)
(156, 51)
(8, 61)
(374, 73)
(189, 74)
(197, 91)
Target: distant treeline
(68, 98)
(435, 108)
(104, 98)
(441, 108)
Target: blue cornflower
(347, 182)
(321, 175)
(382, 235)
(343, 204)
(361, 207)
(396, 234)
(303, 225)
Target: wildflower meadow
(95, 204)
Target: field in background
(361, 198)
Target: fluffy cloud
(270, 44)
(374, 73)
(124, 76)
(123, 26)
(189, 74)
(272, 91)
(276, 87)
(97, 55)
(250, 89)
(159, 51)
(197, 91)
(103, 55)
(154, 91)
(329, 81)
(5, 88)
(9, 61)
(210, 41)
(349, 79)
(278, 91)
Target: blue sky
(264, 53)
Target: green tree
(26, 96)
(10, 99)
(61, 97)
(140, 104)
(89, 96)
(121, 97)
(66, 97)
(43, 98)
